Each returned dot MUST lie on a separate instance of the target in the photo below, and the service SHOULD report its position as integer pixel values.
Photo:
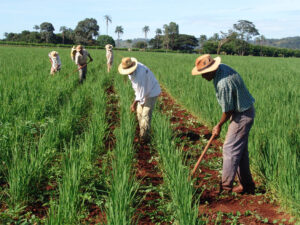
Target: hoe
(203, 153)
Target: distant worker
(81, 61)
(109, 56)
(237, 106)
(146, 89)
(55, 62)
(73, 53)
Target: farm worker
(109, 56)
(81, 61)
(237, 107)
(55, 62)
(146, 89)
(73, 53)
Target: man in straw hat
(81, 61)
(146, 89)
(237, 106)
(109, 56)
(55, 62)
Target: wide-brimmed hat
(205, 64)
(79, 47)
(128, 65)
(53, 54)
(109, 46)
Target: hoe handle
(203, 153)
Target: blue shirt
(231, 92)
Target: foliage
(104, 40)
(46, 30)
(185, 42)
(140, 44)
(86, 30)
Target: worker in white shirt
(146, 89)
(81, 58)
(109, 56)
(55, 62)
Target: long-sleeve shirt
(81, 59)
(56, 63)
(109, 57)
(144, 83)
(231, 91)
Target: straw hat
(53, 54)
(128, 65)
(108, 47)
(205, 64)
(79, 47)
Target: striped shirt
(144, 83)
(231, 92)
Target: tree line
(236, 41)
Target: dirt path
(223, 209)
(96, 214)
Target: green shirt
(231, 91)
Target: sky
(272, 18)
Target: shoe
(247, 190)
(224, 190)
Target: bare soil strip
(96, 214)
(150, 177)
(227, 208)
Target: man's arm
(133, 106)
(224, 118)
(91, 59)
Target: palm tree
(119, 30)
(146, 29)
(63, 29)
(158, 32)
(108, 20)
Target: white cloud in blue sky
(273, 18)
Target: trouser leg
(52, 71)
(146, 116)
(235, 149)
(82, 74)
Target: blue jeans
(235, 150)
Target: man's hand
(133, 106)
(217, 130)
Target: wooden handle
(203, 153)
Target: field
(69, 153)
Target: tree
(140, 44)
(63, 29)
(86, 30)
(107, 20)
(173, 29)
(215, 37)
(105, 39)
(46, 30)
(202, 40)
(245, 30)
(166, 40)
(146, 29)
(226, 37)
(158, 32)
(119, 30)
(36, 27)
(260, 40)
(185, 42)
